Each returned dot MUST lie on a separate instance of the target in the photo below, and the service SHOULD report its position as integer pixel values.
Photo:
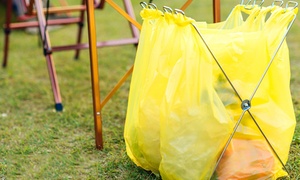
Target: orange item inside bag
(247, 159)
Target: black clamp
(7, 30)
(47, 51)
(80, 24)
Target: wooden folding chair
(35, 8)
(97, 103)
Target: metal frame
(246, 103)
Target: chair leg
(216, 11)
(54, 83)
(47, 52)
(80, 29)
(7, 31)
(129, 10)
(6, 45)
(94, 74)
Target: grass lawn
(38, 143)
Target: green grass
(38, 143)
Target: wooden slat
(20, 25)
(53, 10)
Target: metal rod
(229, 140)
(258, 85)
(269, 143)
(272, 59)
(221, 68)
(251, 97)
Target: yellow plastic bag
(194, 123)
(271, 105)
(153, 65)
(142, 132)
(177, 123)
(154, 62)
(142, 128)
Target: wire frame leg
(248, 102)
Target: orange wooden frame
(89, 6)
(97, 104)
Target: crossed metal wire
(246, 103)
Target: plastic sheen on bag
(182, 110)
(273, 95)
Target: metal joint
(80, 24)
(246, 105)
(47, 51)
